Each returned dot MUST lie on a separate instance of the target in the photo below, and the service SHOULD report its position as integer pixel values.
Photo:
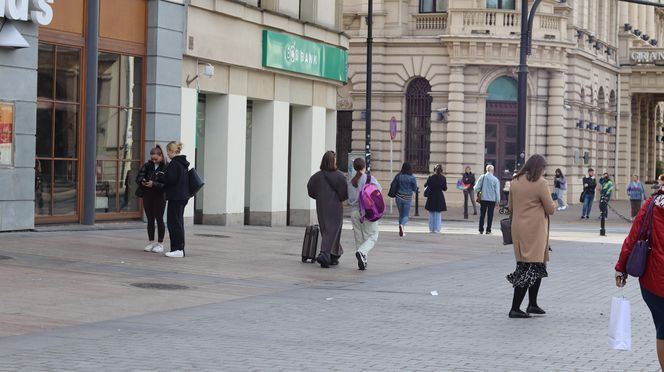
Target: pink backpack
(372, 205)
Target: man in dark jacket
(468, 181)
(589, 185)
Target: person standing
(531, 205)
(560, 188)
(652, 281)
(364, 231)
(468, 180)
(434, 189)
(176, 190)
(637, 194)
(154, 202)
(488, 188)
(606, 190)
(588, 195)
(406, 186)
(328, 187)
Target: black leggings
(520, 294)
(175, 221)
(155, 204)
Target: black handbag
(638, 258)
(506, 229)
(582, 197)
(394, 187)
(195, 182)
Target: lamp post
(368, 97)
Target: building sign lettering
(295, 54)
(6, 134)
(646, 56)
(39, 11)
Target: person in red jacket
(652, 281)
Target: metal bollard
(417, 202)
(603, 205)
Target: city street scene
(342, 185)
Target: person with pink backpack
(368, 206)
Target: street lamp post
(368, 97)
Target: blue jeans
(587, 204)
(435, 221)
(404, 210)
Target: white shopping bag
(620, 324)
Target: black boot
(324, 260)
(334, 260)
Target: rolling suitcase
(506, 229)
(310, 244)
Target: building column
(454, 158)
(555, 128)
(225, 141)
(331, 130)
(650, 23)
(643, 137)
(633, 15)
(308, 144)
(269, 164)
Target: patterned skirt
(527, 273)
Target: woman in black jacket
(176, 188)
(434, 188)
(152, 192)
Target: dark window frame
(435, 8)
(501, 5)
(418, 124)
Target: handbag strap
(647, 220)
(330, 184)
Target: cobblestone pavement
(289, 316)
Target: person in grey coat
(328, 188)
(488, 187)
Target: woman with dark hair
(652, 281)
(364, 231)
(559, 188)
(434, 192)
(406, 185)
(328, 188)
(531, 205)
(154, 201)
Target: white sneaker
(148, 248)
(563, 208)
(158, 248)
(175, 254)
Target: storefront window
(58, 123)
(119, 118)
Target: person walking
(652, 281)
(637, 194)
(488, 189)
(531, 205)
(560, 188)
(364, 231)
(434, 191)
(468, 180)
(606, 190)
(176, 190)
(406, 186)
(588, 194)
(154, 201)
(328, 187)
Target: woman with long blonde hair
(176, 187)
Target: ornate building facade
(447, 72)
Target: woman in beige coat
(530, 204)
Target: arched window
(601, 101)
(503, 88)
(612, 101)
(418, 124)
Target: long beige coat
(530, 204)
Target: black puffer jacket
(176, 179)
(149, 173)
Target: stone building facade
(447, 71)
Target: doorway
(500, 139)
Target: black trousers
(486, 210)
(155, 205)
(175, 216)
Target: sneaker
(175, 254)
(481, 232)
(361, 260)
(158, 248)
(559, 208)
(488, 232)
(148, 248)
(563, 207)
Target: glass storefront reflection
(66, 130)
(65, 187)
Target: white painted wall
(188, 134)
(307, 148)
(225, 141)
(330, 130)
(269, 157)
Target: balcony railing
(431, 22)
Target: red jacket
(653, 279)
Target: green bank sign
(290, 53)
